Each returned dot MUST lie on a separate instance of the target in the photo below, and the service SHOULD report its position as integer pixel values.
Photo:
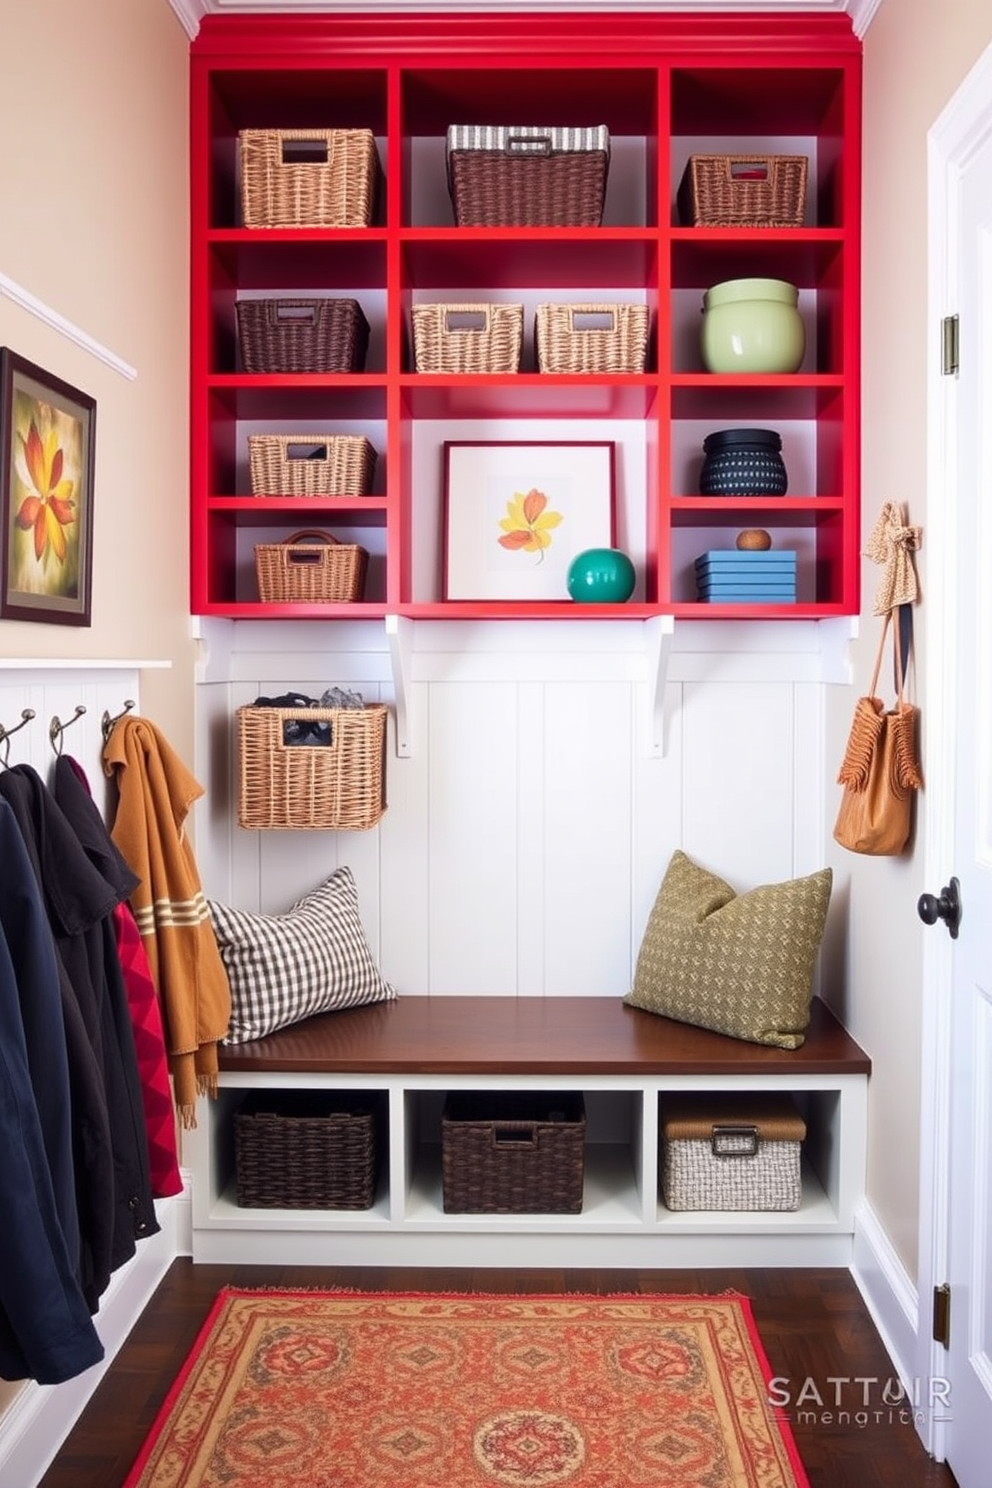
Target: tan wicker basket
(310, 567)
(318, 335)
(527, 176)
(339, 785)
(512, 1152)
(308, 177)
(591, 338)
(310, 464)
(467, 338)
(305, 1150)
(743, 191)
(729, 1152)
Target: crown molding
(191, 12)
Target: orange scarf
(155, 793)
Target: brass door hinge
(949, 332)
(942, 1315)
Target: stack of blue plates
(732, 576)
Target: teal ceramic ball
(601, 576)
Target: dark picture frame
(47, 449)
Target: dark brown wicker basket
(527, 177)
(743, 191)
(308, 1150)
(512, 1152)
(319, 335)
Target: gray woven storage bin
(722, 1151)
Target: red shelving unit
(666, 87)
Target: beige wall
(93, 222)
(93, 182)
(916, 54)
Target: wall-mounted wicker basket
(527, 176)
(591, 338)
(308, 177)
(467, 338)
(314, 335)
(310, 464)
(311, 567)
(337, 785)
(743, 191)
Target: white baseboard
(40, 1417)
(888, 1291)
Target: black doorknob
(946, 906)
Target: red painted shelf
(665, 86)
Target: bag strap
(873, 688)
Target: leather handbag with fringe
(880, 771)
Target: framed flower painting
(517, 514)
(46, 495)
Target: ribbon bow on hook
(893, 543)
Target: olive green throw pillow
(740, 964)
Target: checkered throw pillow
(313, 959)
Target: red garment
(149, 1045)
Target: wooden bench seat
(533, 1036)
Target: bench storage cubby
(412, 1054)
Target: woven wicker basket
(320, 335)
(516, 1152)
(308, 177)
(526, 176)
(310, 464)
(316, 1150)
(467, 338)
(310, 567)
(743, 191)
(722, 1151)
(338, 786)
(591, 338)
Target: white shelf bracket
(399, 636)
(659, 632)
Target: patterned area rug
(362, 1390)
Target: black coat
(46, 1331)
(80, 902)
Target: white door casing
(956, 1105)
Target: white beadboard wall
(529, 826)
(54, 689)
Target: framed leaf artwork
(517, 514)
(47, 433)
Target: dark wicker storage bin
(306, 1150)
(319, 335)
(743, 191)
(512, 1152)
(525, 176)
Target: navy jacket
(79, 903)
(46, 1330)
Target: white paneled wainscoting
(532, 813)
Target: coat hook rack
(107, 723)
(26, 716)
(57, 728)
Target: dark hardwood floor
(813, 1325)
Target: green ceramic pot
(752, 325)
(601, 576)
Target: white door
(960, 516)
